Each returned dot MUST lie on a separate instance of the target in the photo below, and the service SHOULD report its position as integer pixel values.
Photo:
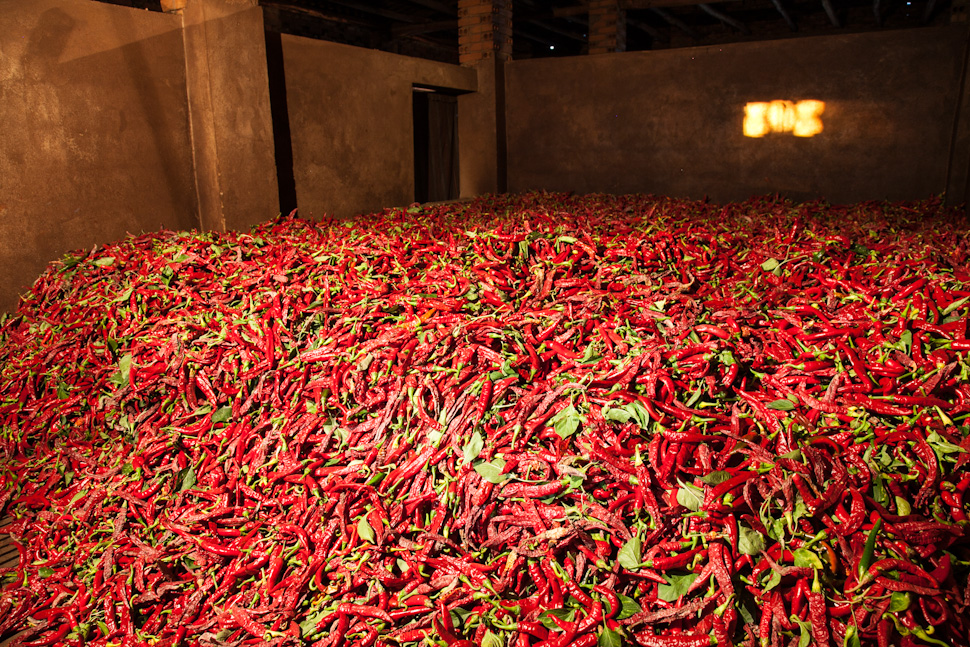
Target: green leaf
(770, 265)
(715, 478)
(675, 587)
(640, 414)
(690, 496)
(899, 602)
(727, 358)
(308, 626)
(123, 375)
(473, 447)
(186, 478)
(750, 541)
(609, 638)
(629, 556)
(805, 558)
(805, 629)
(773, 581)
(568, 615)
(628, 607)
(620, 415)
(45, 571)
(364, 530)
(905, 342)
(633, 411)
(903, 507)
(104, 262)
(781, 405)
(942, 447)
(879, 490)
(492, 472)
(459, 616)
(221, 414)
(566, 422)
(852, 637)
(492, 640)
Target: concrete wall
(94, 142)
(229, 104)
(670, 122)
(351, 125)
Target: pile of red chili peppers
(518, 421)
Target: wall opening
(435, 115)
(285, 179)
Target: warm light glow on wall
(802, 119)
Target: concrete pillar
(607, 27)
(229, 113)
(485, 44)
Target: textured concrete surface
(351, 124)
(94, 142)
(481, 133)
(669, 122)
(232, 124)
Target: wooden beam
(727, 20)
(784, 14)
(534, 38)
(650, 4)
(424, 28)
(436, 6)
(377, 11)
(556, 30)
(827, 5)
(647, 29)
(928, 13)
(564, 12)
(578, 10)
(313, 13)
(676, 22)
(877, 11)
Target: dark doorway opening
(435, 145)
(281, 122)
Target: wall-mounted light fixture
(801, 119)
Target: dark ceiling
(543, 28)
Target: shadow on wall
(101, 145)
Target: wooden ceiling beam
(557, 30)
(827, 5)
(650, 4)
(404, 31)
(436, 6)
(785, 15)
(376, 11)
(534, 38)
(313, 13)
(726, 19)
(676, 22)
(647, 29)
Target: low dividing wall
(670, 122)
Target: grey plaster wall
(350, 119)
(670, 122)
(94, 142)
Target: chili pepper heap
(526, 420)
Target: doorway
(435, 145)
